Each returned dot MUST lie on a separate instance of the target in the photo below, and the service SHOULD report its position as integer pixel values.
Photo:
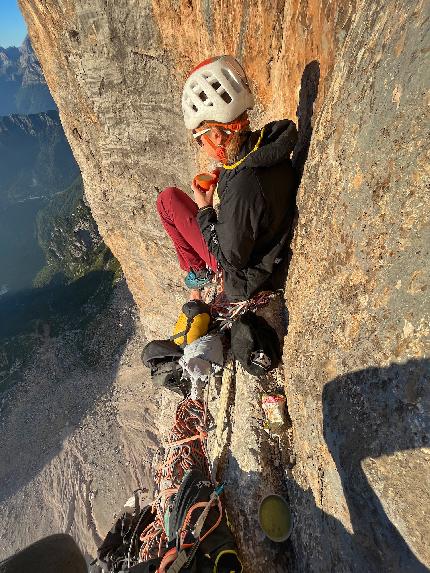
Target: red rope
(226, 312)
(185, 450)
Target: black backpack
(255, 344)
(162, 357)
(120, 547)
(216, 552)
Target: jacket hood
(279, 140)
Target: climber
(256, 187)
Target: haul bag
(162, 357)
(255, 344)
(217, 552)
(193, 322)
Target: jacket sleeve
(231, 236)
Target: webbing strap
(180, 561)
(200, 436)
(184, 332)
(178, 335)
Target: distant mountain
(69, 237)
(36, 163)
(35, 157)
(23, 88)
(75, 285)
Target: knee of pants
(166, 196)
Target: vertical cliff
(356, 355)
(355, 367)
(116, 72)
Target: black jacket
(257, 202)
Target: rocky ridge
(72, 445)
(357, 298)
(22, 86)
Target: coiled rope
(185, 449)
(225, 312)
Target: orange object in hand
(205, 180)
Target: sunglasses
(198, 134)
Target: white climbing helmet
(216, 90)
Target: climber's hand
(203, 198)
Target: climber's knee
(167, 197)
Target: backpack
(120, 548)
(196, 510)
(255, 344)
(215, 552)
(193, 322)
(162, 357)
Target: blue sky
(12, 26)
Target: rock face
(77, 433)
(355, 368)
(116, 74)
(22, 86)
(357, 376)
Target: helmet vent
(225, 96)
(232, 80)
(203, 96)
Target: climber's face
(210, 138)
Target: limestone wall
(356, 377)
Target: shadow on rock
(307, 96)
(305, 110)
(368, 414)
(243, 494)
(310, 546)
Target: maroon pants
(178, 215)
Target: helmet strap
(221, 150)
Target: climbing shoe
(198, 279)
